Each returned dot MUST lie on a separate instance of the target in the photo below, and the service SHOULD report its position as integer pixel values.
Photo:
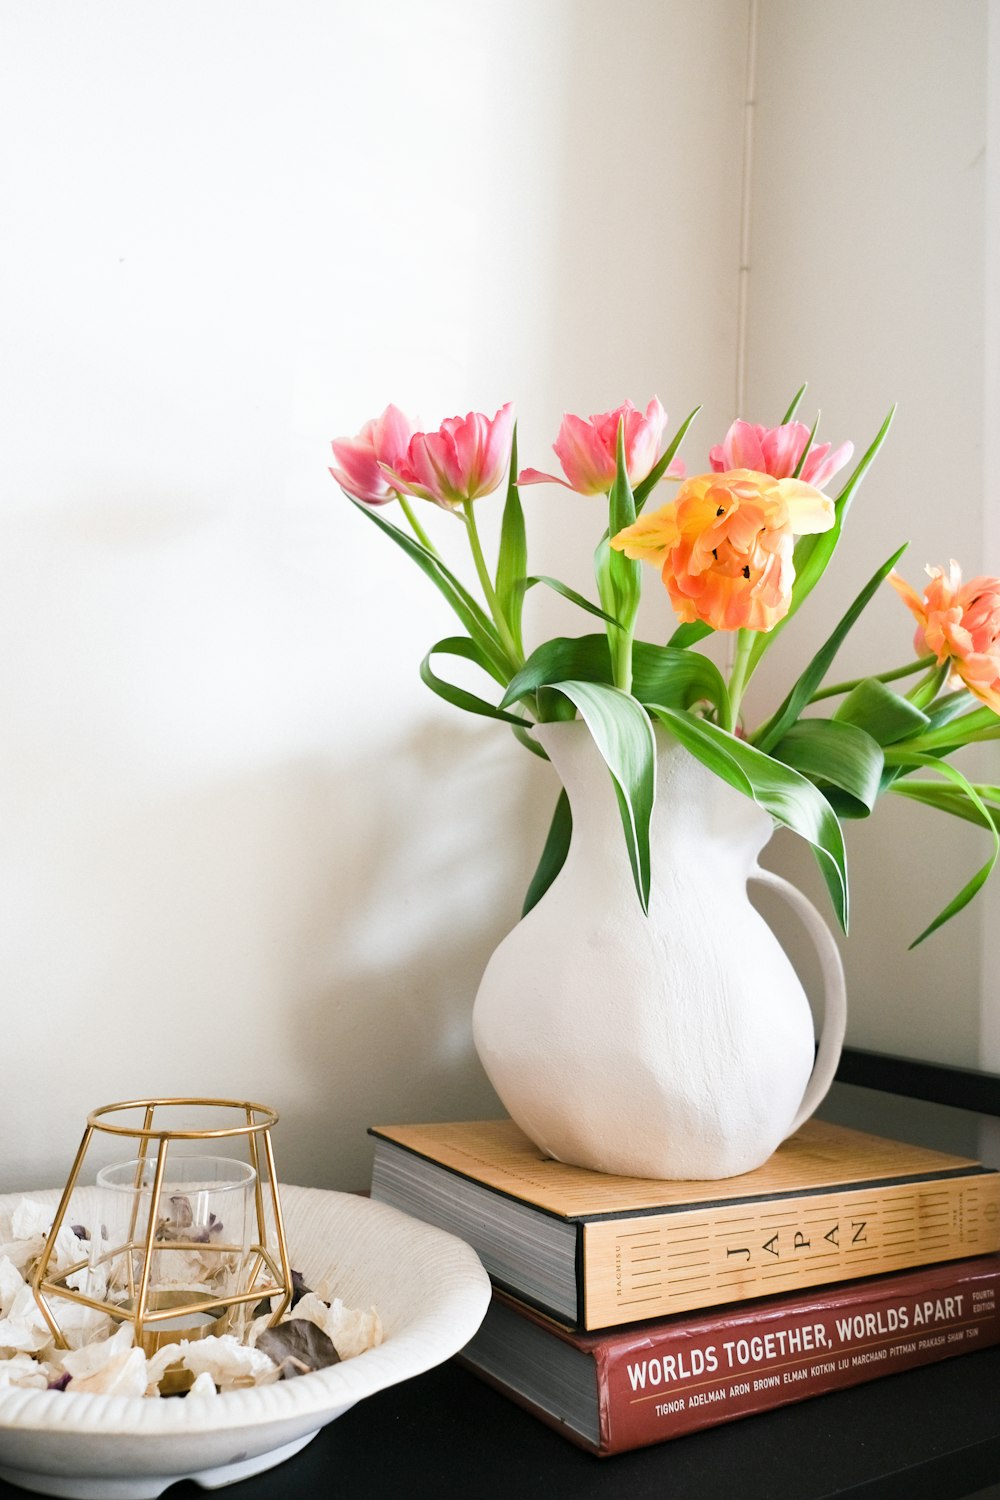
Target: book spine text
(698, 1378)
(656, 1265)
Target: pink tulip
(959, 623)
(588, 451)
(382, 441)
(776, 451)
(466, 458)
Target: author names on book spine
(709, 1377)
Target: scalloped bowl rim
(443, 1277)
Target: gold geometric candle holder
(184, 1244)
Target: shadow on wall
(426, 878)
(310, 936)
(209, 886)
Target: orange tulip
(959, 622)
(724, 546)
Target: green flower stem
(940, 741)
(739, 677)
(622, 659)
(509, 643)
(418, 530)
(834, 691)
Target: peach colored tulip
(959, 622)
(588, 451)
(724, 545)
(384, 440)
(776, 451)
(466, 458)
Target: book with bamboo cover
(595, 1251)
(634, 1386)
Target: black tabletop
(926, 1434)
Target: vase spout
(699, 813)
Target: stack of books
(627, 1311)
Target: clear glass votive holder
(172, 1243)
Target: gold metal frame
(259, 1120)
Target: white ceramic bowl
(430, 1291)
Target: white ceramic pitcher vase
(674, 1045)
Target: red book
(641, 1384)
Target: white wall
(244, 851)
(869, 279)
(990, 1011)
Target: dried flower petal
(11, 1282)
(226, 1360)
(82, 1363)
(24, 1329)
(81, 1325)
(157, 1365)
(351, 1332)
(298, 1346)
(315, 1338)
(21, 1369)
(30, 1224)
(23, 1253)
(203, 1386)
(125, 1375)
(30, 1218)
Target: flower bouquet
(740, 545)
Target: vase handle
(834, 994)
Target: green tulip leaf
(805, 451)
(835, 755)
(460, 645)
(950, 707)
(571, 595)
(793, 405)
(623, 574)
(950, 800)
(623, 734)
(813, 552)
(473, 617)
(880, 712)
(526, 738)
(553, 855)
(689, 635)
(976, 804)
(787, 795)
(582, 657)
(512, 563)
(660, 674)
(646, 486)
(603, 554)
(676, 679)
(790, 711)
(982, 723)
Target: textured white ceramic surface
(678, 1045)
(431, 1293)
